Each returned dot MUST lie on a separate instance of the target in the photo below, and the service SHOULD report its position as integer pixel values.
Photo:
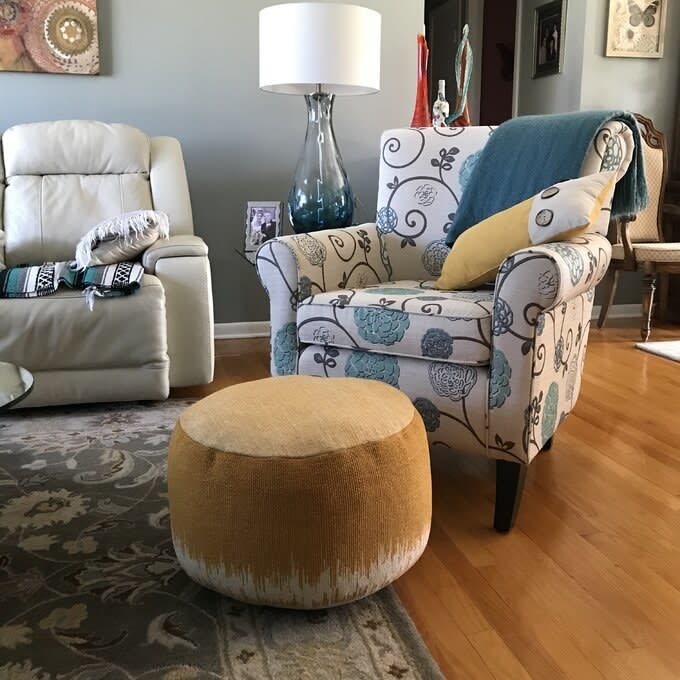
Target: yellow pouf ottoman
(300, 492)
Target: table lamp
(319, 50)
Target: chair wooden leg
(509, 486)
(664, 290)
(610, 283)
(648, 289)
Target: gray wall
(550, 94)
(194, 75)
(647, 86)
(592, 81)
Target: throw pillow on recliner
(122, 238)
(557, 213)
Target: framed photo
(549, 34)
(636, 29)
(263, 222)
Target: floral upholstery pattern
(451, 398)
(295, 267)
(493, 371)
(406, 318)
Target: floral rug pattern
(90, 588)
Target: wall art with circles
(52, 36)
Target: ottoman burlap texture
(300, 492)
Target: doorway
(493, 47)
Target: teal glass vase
(321, 197)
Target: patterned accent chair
(494, 371)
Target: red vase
(421, 112)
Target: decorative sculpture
(460, 116)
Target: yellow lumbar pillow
(557, 213)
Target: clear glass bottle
(440, 108)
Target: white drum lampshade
(307, 44)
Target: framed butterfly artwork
(636, 28)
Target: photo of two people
(263, 222)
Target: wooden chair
(639, 243)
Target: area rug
(90, 588)
(669, 349)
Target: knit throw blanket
(112, 280)
(527, 154)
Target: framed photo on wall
(636, 29)
(263, 222)
(549, 33)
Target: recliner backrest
(63, 177)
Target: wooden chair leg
(610, 283)
(648, 289)
(509, 486)
(664, 289)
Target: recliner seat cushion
(402, 318)
(59, 332)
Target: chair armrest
(540, 322)
(291, 268)
(184, 245)
(540, 278)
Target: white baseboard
(245, 329)
(260, 329)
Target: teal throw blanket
(527, 154)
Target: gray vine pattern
(91, 589)
(492, 371)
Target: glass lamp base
(321, 197)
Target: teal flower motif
(381, 326)
(558, 359)
(452, 381)
(466, 169)
(429, 413)
(500, 374)
(572, 258)
(436, 344)
(285, 350)
(303, 291)
(373, 367)
(549, 423)
(502, 317)
(387, 220)
(434, 257)
(572, 377)
(314, 250)
(508, 265)
(540, 324)
(613, 154)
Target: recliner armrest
(184, 245)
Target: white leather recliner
(58, 180)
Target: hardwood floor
(587, 585)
